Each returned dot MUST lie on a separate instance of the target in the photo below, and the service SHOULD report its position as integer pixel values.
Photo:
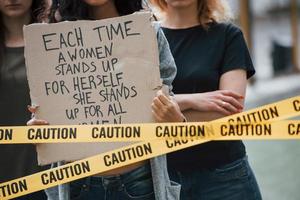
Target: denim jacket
(164, 188)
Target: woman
(133, 181)
(17, 160)
(213, 65)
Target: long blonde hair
(208, 10)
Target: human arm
(235, 81)
(223, 101)
(164, 107)
(234, 68)
(167, 64)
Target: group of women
(213, 65)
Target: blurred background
(272, 30)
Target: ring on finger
(224, 103)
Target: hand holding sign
(93, 72)
(165, 108)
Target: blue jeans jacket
(164, 189)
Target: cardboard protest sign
(91, 72)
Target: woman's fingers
(232, 94)
(233, 102)
(163, 98)
(35, 121)
(228, 107)
(161, 101)
(160, 110)
(32, 109)
(157, 102)
(222, 107)
(155, 108)
(165, 109)
(166, 103)
(156, 116)
(222, 110)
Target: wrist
(184, 102)
(194, 101)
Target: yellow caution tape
(153, 131)
(250, 124)
(259, 123)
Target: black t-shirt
(202, 56)
(17, 160)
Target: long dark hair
(72, 10)
(38, 13)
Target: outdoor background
(272, 29)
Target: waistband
(142, 173)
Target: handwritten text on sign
(93, 72)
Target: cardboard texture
(91, 72)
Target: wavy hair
(72, 10)
(208, 10)
(38, 13)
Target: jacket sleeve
(167, 64)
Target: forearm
(220, 101)
(235, 81)
(187, 101)
(197, 116)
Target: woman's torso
(202, 56)
(17, 159)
